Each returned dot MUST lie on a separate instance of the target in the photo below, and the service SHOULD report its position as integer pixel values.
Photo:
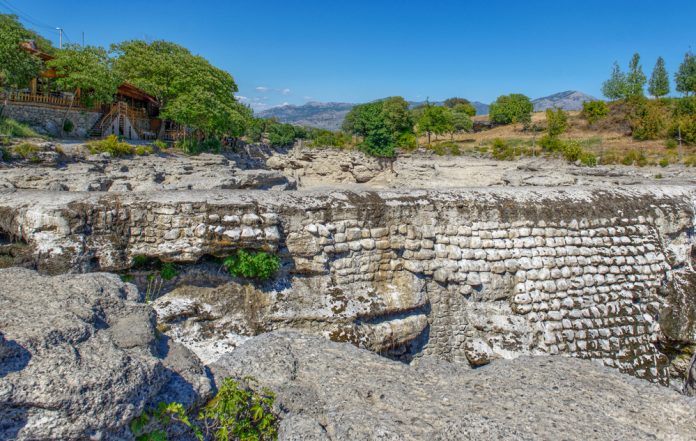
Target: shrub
(252, 265)
(658, 176)
(143, 150)
(649, 121)
(664, 162)
(112, 146)
(160, 144)
(5, 155)
(192, 146)
(68, 126)
(281, 135)
(635, 157)
(571, 151)
(556, 122)
(671, 144)
(593, 111)
(551, 143)
(501, 150)
(168, 271)
(12, 128)
(27, 150)
(327, 138)
(685, 126)
(237, 412)
(685, 106)
(588, 159)
(690, 161)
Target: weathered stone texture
(50, 120)
(468, 275)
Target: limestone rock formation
(79, 358)
(332, 391)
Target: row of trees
(190, 90)
(632, 83)
(387, 124)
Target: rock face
(49, 121)
(463, 275)
(331, 391)
(79, 358)
(146, 173)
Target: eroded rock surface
(79, 358)
(331, 391)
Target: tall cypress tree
(615, 87)
(659, 80)
(685, 78)
(635, 80)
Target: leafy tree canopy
(635, 80)
(88, 69)
(616, 87)
(190, 90)
(685, 78)
(17, 66)
(659, 80)
(462, 104)
(511, 109)
(437, 120)
(370, 121)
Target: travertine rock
(331, 391)
(79, 358)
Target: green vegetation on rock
(252, 265)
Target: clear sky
(354, 51)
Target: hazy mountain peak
(568, 100)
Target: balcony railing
(48, 100)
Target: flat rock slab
(333, 391)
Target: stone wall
(467, 276)
(49, 120)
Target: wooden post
(33, 86)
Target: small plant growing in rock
(27, 150)
(68, 126)
(160, 144)
(237, 412)
(250, 265)
(168, 271)
(143, 150)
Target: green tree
(397, 115)
(462, 104)
(616, 87)
(556, 122)
(685, 78)
(593, 111)
(461, 119)
(659, 80)
(87, 68)
(17, 66)
(435, 120)
(369, 122)
(511, 109)
(189, 89)
(635, 80)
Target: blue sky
(356, 51)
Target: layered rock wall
(49, 120)
(468, 275)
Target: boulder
(80, 358)
(334, 391)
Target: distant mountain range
(568, 100)
(330, 116)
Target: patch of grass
(168, 271)
(658, 176)
(12, 128)
(143, 150)
(160, 144)
(194, 147)
(27, 150)
(664, 162)
(112, 146)
(252, 265)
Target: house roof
(129, 90)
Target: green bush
(282, 135)
(502, 151)
(143, 150)
(160, 144)
(685, 106)
(27, 150)
(671, 144)
(168, 271)
(112, 146)
(588, 159)
(68, 126)
(12, 128)
(5, 155)
(192, 146)
(686, 127)
(327, 138)
(551, 144)
(571, 151)
(237, 412)
(593, 111)
(556, 122)
(664, 162)
(252, 265)
(649, 120)
(635, 157)
(511, 109)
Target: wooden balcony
(43, 100)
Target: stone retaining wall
(49, 120)
(467, 275)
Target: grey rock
(335, 391)
(78, 358)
